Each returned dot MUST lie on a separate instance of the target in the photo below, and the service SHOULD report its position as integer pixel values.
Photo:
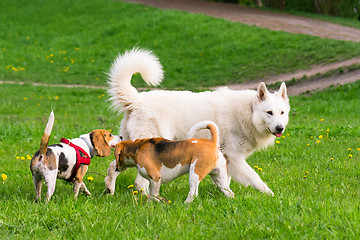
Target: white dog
(248, 120)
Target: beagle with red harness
(69, 159)
(160, 160)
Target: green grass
(67, 41)
(324, 205)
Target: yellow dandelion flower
(358, 149)
(332, 159)
(22, 158)
(56, 97)
(306, 172)
(135, 192)
(51, 61)
(90, 179)
(260, 169)
(277, 142)
(25, 98)
(305, 176)
(28, 158)
(17, 157)
(3, 176)
(321, 136)
(327, 130)
(141, 190)
(130, 186)
(51, 55)
(37, 104)
(256, 167)
(318, 141)
(169, 201)
(350, 156)
(66, 114)
(308, 144)
(322, 119)
(312, 137)
(92, 60)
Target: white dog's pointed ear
(262, 92)
(283, 92)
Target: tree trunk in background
(258, 3)
(323, 6)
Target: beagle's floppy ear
(99, 142)
(262, 92)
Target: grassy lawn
(313, 171)
(73, 41)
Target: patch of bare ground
(274, 21)
(259, 17)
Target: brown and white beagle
(69, 159)
(160, 160)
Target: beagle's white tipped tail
(45, 138)
(122, 94)
(214, 130)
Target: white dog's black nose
(279, 129)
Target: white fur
(50, 124)
(243, 117)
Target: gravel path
(272, 20)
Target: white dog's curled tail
(214, 130)
(45, 138)
(122, 94)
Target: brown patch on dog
(49, 159)
(100, 139)
(206, 156)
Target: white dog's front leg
(110, 179)
(241, 172)
(142, 184)
(155, 189)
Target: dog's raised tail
(45, 138)
(122, 94)
(214, 130)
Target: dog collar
(89, 146)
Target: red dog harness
(79, 159)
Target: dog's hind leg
(241, 172)
(50, 181)
(194, 181)
(37, 179)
